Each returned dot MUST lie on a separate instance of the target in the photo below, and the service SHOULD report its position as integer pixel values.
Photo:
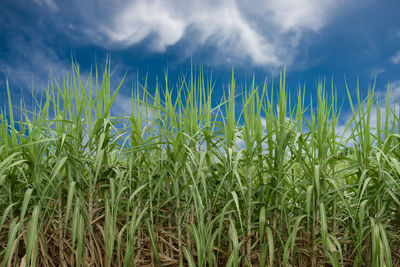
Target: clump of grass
(179, 181)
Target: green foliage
(178, 180)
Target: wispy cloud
(297, 15)
(29, 63)
(396, 58)
(375, 72)
(380, 97)
(49, 3)
(266, 33)
(140, 19)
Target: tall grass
(179, 180)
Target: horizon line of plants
(180, 182)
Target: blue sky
(315, 39)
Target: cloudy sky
(314, 39)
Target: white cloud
(142, 18)
(265, 32)
(292, 15)
(30, 63)
(123, 105)
(48, 3)
(394, 92)
(396, 58)
(394, 89)
(393, 33)
(375, 72)
(380, 96)
(126, 105)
